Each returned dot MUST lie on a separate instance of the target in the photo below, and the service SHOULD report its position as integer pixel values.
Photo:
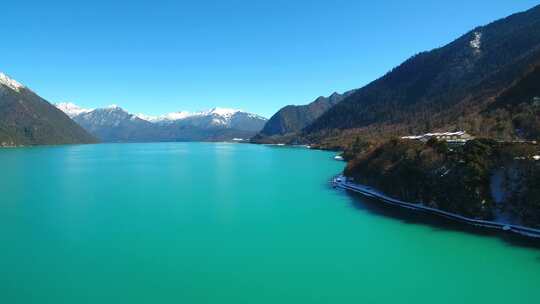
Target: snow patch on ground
(169, 117)
(476, 43)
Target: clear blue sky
(163, 56)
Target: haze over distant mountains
(114, 124)
(28, 119)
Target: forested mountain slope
(451, 87)
(27, 119)
(292, 119)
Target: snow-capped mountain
(224, 118)
(216, 117)
(115, 124)
(71, 109)
(10, 83)
(111, 116)
(167, 118)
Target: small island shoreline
(342, 182)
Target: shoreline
(342, 183)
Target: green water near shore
(228, 223)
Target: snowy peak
(113, 107)
(113, 115)
(177, 115)
(10, 83)
(221, 112)
(149, 118)
(111, 110)
(71, 109)
(215, 116)
(170, 117)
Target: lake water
(228, 223)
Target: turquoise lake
(229, 223)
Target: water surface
(228, 223)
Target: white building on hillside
(451, 137)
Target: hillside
(291, 119)
(452, 87)
(517, 110)
(483, 179)
(27, 119)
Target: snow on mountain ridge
(166, 117)
(221, 115)
(215, 116)
(112, 115)
(112, 107)
(10, 83)
(149, 118)
(225, 112)
(71, 109)
(115, 123)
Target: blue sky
(163, 56)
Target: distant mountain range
(290, 120)
(27, 119)
(114, 124)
